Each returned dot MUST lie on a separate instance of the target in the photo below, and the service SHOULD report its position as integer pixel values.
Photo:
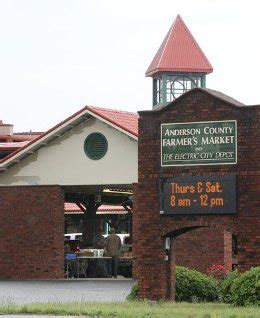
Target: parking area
(82, 290)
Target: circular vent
(95, 146)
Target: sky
(57, 56)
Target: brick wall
(31, 232)
(150, 267)
(201, 248)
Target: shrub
(217, 271)
(245, 289)
(134, 293)
(225, 286)
(257, 286)
(192, 285)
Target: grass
(135, 309)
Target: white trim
(202, 164)
(199, 122)
(113, 125)
(43, 141)
(40, 141)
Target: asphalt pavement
(82, 290)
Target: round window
(95, 146)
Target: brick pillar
(152, 271)
(249, 224)
(228, 256)
(249, 244)
(148, 246)
(134, 233)
(32, 229)
(170, 272)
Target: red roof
(20, 137)
(17, 141)
(72, 207)
(12, 145)
(23, 136)
(127, 121)
(179, 52)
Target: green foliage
(193, 286)
(134, 293)
(245, 289)
(225, 286)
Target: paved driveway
(25, 292)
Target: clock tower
(178, 66)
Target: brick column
(249, 223)
(148, 247)
(134, 233)
(249, 244)
(228, 256)
(170, 275)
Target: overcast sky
(57, 56)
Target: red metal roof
(23, 136)
(179, 52)
(73, 208)
(125, 120)
(17, 140)
(20, 137)
(11, 146)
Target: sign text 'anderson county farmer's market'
(199, 143)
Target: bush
(257, 286)
(245, 289)
(192, 285)
(217, 271)
(225, 286)
(134, 293)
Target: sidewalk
(82, 290)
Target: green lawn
(136, 309)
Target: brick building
(81, 160)
(39, 172)
(153, 270)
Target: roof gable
(123, 121)
(179, 52)
(61, 158)
(126, 120)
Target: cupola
(178, 66)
